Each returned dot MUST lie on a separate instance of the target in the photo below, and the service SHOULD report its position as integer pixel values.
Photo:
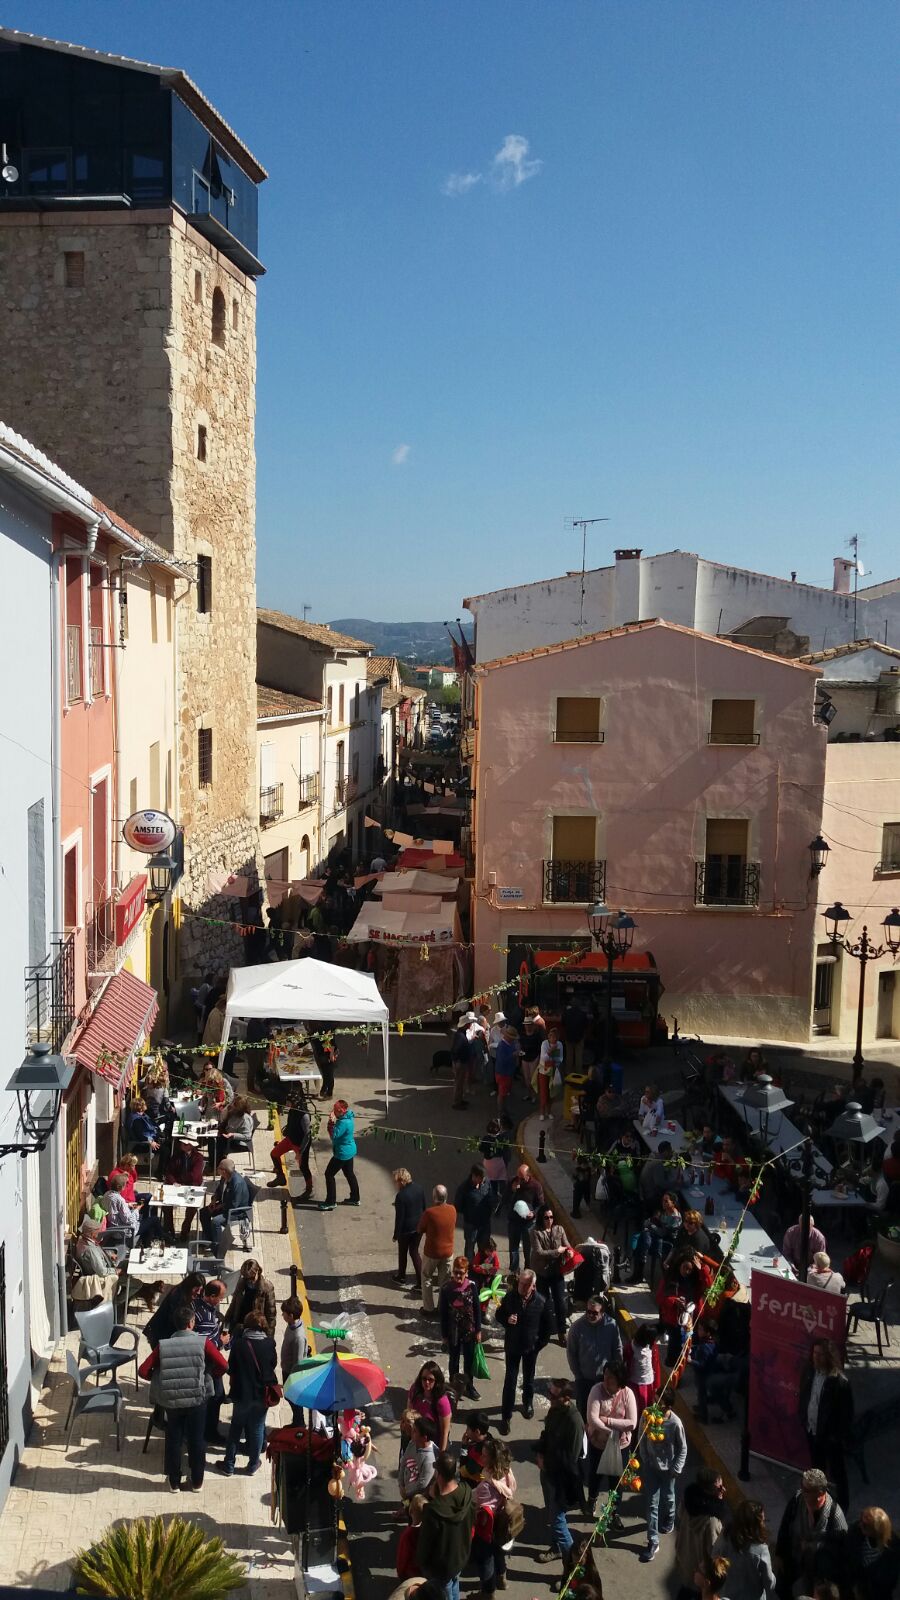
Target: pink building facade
(677, 776)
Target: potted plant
(152, 1559)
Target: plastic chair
(246, 1145)
(239, 1219)
(100, 1333)
(106, 1398)
(872, 1311)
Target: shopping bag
(480, 1363)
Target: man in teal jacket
(343, 1150)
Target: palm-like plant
(151, 1559)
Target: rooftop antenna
(858, 569)
(584, 523)
(305, 610)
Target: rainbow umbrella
(335, 1382)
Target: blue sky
(674, 303)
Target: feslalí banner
(786, 1319)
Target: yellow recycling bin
(575, 1083)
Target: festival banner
(786, 1318)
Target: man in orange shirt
(437, 1226)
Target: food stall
(555, 983)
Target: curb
(697, 1439)
(345, 1568)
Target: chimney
(627, 592)
(842, 570)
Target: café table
(154, 1264)
(781, 1135)
(669, 1131)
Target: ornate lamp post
(837, 918)
(612, 933)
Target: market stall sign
(129, 909)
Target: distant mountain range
(411, 641)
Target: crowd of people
(459, 1504)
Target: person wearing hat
(809, 1546)
(495, 1034)
(185, 1167)
(463, 1054)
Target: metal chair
(872, 1311)
(239, 1218)
(214, 1267)
(106, 1398)
(100, 1333)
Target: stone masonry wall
(113, 380)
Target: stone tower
(128, 270)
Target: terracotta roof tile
(315, 632)
(633, 627)
(276, 703)
(852, 647)
(379, 667)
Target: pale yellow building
(289, 738)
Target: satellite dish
(860, 569)
(9, 173)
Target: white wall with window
(289, 746)
(29, 1192)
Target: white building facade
(678, 586)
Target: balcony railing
(309, 790)
(50, 995)
(889, 864)
(732, 738)
(271, 803)
(726, 881)
(100, 928)
(574, 882)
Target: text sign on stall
(130, 907)
(786, 1319)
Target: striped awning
(118, 1027)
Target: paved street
(59, 1503)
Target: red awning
(122, 1021)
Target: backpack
(509, 1520)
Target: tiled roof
(172, 76)
(113, 524)
(849, 649)
(315, 632)
(379, 667)
(275, 703)
(633, 627)
(391, 698)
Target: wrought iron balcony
(271, 803)
(574, 882)
(726, 881)
(100, 929)
(309, 790)
(50, 995)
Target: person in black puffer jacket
(297, 1137)
(251, 1367)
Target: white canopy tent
(305, 991)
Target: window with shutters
(733, 722)
(74, 269)
(890, 848)
(578, 720)
(725, 876)
(573, 874)
(73, 662)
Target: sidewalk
(59, 1504)
(875, 1380)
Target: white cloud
(511, 167)
(400, 456)
(460, 183)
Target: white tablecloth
(169, 1265)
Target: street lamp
(612, 933)
(42, 1074)
(766, 1097)
(837, 918)
(818, 854)
(159, 875)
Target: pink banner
(786, 1318)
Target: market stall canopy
(305, 991)
(418, 882)
(381, 925)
